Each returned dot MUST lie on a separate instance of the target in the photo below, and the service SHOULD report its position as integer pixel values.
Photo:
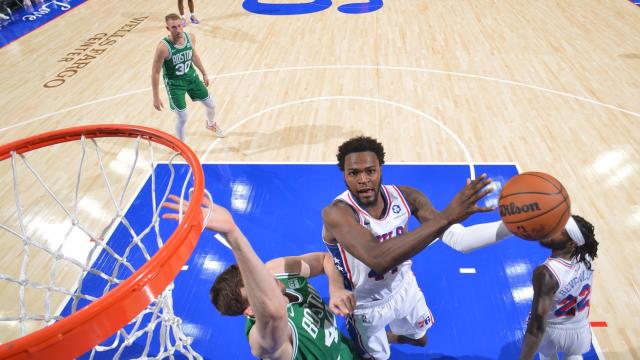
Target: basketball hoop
(125, 298)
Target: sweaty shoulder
(336, 209)
(192, 37)
(337, 214)
(162, 49)
(544, 280)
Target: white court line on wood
(467, 270)
(376, 67)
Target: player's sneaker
(184, 22)
(194, 20)
(217, 130)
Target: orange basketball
(534, 205)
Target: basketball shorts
(192, 85)
(406, 312)
(568, 341)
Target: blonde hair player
(175, 54)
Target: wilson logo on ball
(534, 205)
(513, 209)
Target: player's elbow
(379, 264)
(453, 237)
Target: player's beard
(554, 245)
(368, 203)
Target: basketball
(534, 205)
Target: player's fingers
(175, 203)
(481, 194)
(206, 201)
(170, 205)
(170, 216)
(334, 309)
(481, 185)
(484, 209)
(352, 303)
(344, 308)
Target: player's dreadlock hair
(589, 250)
(225, 292)
(359, 144)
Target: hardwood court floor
(551, 85)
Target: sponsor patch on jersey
(395, 209)
(294, 283)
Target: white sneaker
(217, 130)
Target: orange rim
(81, 331)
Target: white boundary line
(326, 67)
(387, 102)
(596, 346)
(215, 162)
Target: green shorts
(177, 88)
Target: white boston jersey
(573, 295)
(368, 286)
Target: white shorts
(406, 312)
(572, 341)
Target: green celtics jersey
(178, 65)
(313, 327)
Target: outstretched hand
(220, 220)
(464, 204)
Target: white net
(79, 219)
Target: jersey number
(571, 305)
(330, 330)
(182, 68)
(378, 277)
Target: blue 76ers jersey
(367, 285)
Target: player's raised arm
(341, 225)
(307, 265)
(419, 204)
(270, 337)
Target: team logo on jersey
(364, 319)
(423, 321)
(395, 209)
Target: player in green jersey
(286, 317)
(174, 55)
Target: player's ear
(249, 311)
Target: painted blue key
(361, 8)
(263, 8)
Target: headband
(574, 231)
